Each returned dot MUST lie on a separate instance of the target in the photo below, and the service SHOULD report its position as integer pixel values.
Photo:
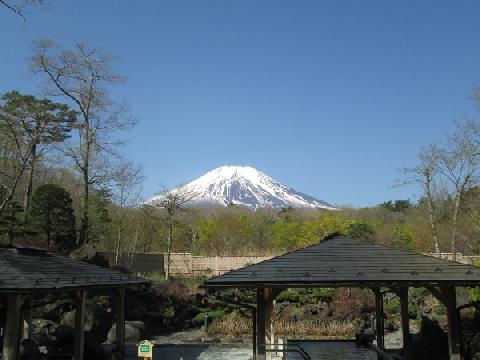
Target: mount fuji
(246, 186)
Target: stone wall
(188, 265)
(464, 259)
(183, 263)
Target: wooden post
(453, 322)
(78, 346)
(12, 327)
(269, 335)
(254, 340)
(379, 318)
(120, 322)
(27, 317)
(261, 354)
(407, 341)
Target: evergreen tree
(10, 221)
(51, 212)
(34, 123)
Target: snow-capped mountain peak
(246, 186)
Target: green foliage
(51, 212)
(52, 122)
(304, 296)
(402, 237)
(10, 221)
(324, 294)
(211, 315)
(233, 231)
(240, 296)
(413, 310)
(288, 235)
(98, 213)
(397, 205)
(359, 230)
(439, 310)
(288, 296)
(392, 307)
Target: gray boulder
(68, 319)
(43, 331)
(29, 350)
(134, 330)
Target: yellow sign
(145, 349)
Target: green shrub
(392, 307)
(439, 310)
(323, 293)
(211, 315)
(413, 310)
(288, 295)
(419, 293)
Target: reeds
(304, 329)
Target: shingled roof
(33, 270)
(342, 261)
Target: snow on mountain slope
(246, 186)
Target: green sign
(145, 350)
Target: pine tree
(10, 221)
(34, 123)
(51, 212)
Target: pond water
(335, 350)
(318, 350)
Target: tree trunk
(117, 252)
(83, 238)
(458, 200)
(12, 190)
(132, 251)
(169, 246)
(31, 172)
(431, 212)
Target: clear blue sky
(328, 97)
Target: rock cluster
(54, 336)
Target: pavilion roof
(342, 261)
(25, 269)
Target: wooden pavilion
(27, 272)
(339, 261)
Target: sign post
(145, 350)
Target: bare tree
(83, 76)
(423, 175)
(172, 201)
(457, 161)
(127, 185)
